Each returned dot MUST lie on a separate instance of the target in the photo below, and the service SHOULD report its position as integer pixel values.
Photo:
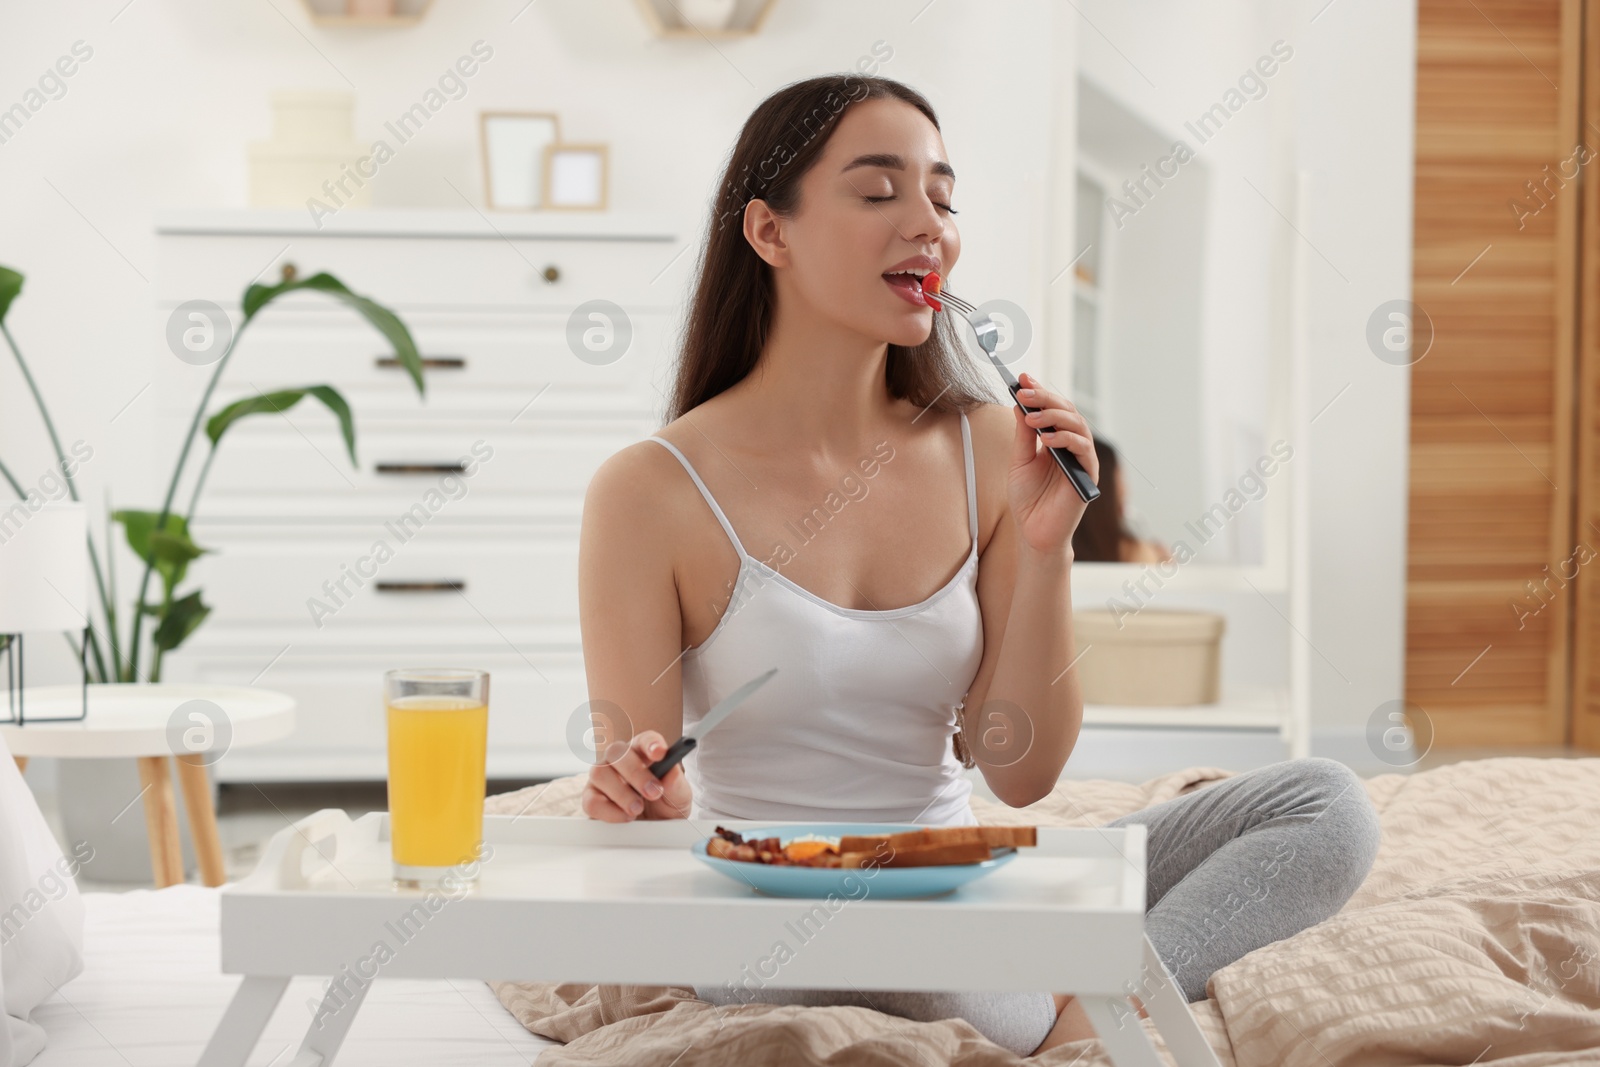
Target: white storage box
(1162, 658)
(313, 143)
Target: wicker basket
(1161, 658)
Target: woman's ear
(763, 228)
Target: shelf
(1249, 711)
(415, 222)
(367, 21)
(1094, 582)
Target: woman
(803, 508)
(1103, 536)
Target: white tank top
(856, 725)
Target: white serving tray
(576, 900)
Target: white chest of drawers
(454, 542)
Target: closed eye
(881, 199)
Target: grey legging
(1282, 846)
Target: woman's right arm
(632, 631)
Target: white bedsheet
(151, 992)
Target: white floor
(151, 993)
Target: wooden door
(1493, 471)
(1585, 562)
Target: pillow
(41, 915)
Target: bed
(1475, 939)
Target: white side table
(136, 720)
(577, 900)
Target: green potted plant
(160, 538)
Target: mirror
(1180, 199)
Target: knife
(691, 737)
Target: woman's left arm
(1024, 710)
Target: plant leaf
(174, 548)
(283, 400)
(168, 549)
(138, 526)
(10, 286)
(334, 402)
(180, 620)
(382, 319)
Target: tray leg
(329, 1025)
(247, 1015)
(1170, 1012)
(1129, 1045)
(1120, 1031)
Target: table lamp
(44, 585)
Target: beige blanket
(1475, 939)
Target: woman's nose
(928, 223)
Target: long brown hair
(730, 313)
(1102, 530)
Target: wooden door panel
(1582, 561)
(1492, 461)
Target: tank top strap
(972, 484)
(715, 509)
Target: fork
(988, 339)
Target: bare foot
(1072, 1023)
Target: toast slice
(992, 836)
(921, 856)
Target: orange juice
(437, 751)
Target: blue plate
(884, 883)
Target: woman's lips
(908, 286)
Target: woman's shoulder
(992, 428)
(647, 480)
(991, 422)
(639, 482)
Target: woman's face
(878, 196)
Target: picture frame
(512, 146)
(576, 177)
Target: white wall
(1357, 141)
(162, 113)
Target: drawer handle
(446, 585)
(551, 274)
(422, 468)
(428, 362)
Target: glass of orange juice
(438, 746)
